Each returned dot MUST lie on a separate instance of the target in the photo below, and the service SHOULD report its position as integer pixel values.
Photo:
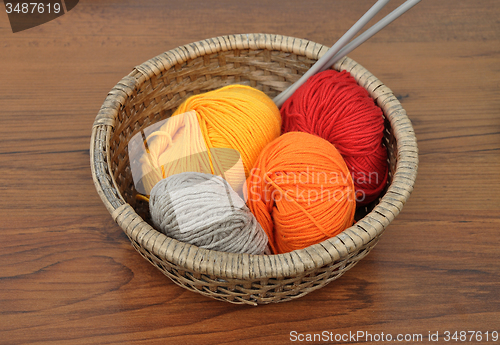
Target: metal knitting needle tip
(282, 97)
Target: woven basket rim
(246, 266)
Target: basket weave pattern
(152, 92)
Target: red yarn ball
(333, 106)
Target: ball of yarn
(237, 117)
(333, 106)
(203, 210)
(301, 192)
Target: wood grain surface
(68, 274)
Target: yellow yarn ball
(236, 117)
(221, 132)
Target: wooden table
(68, 274)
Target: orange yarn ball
(301, 192)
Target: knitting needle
(370, 32)
(282, 97)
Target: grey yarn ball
(204, 210)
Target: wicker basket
(153, 90)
